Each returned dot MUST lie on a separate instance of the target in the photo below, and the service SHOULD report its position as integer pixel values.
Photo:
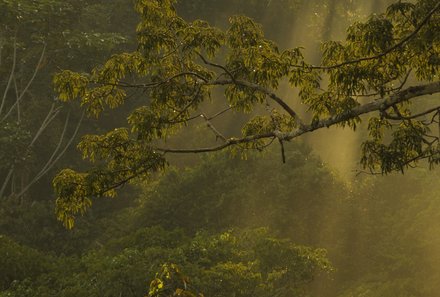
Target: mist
(279, 218)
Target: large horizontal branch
(378, 105)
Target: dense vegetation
(260, 221)
(247, 235)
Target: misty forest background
(231, 226)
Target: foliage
(198, 230)
(221, 264)
(123, 255)
(179, 64)
(222, 193)
(380, 236)
(13, 140)
(37, 38)
(19, 262)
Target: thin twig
(400, 117)
(283, 153)
(211, 126)
(216, 65)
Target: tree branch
(11, 75)
(20, 97)
(55, 157)
(216, 66)
(263, 90)
(401, 117)
(381, 104)
(377, 105)
(211, 126)
(384, 53)
(229, 142)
